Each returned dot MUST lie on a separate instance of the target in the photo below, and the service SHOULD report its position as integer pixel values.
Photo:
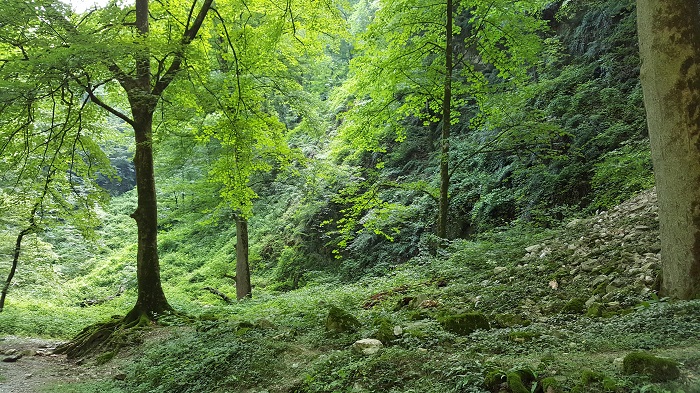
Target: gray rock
(367, 346)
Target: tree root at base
(102, 337)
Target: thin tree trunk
(445, 134)
(15, 260)
(669, 38)
(243, 288)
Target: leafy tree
(108, 58)
(257, 89)
(436, 63)
(669, 38)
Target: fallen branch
(94, 302)
(219, 294)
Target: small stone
(367, 346)
(499, 269)
(120, 377)
(12, 358)
(398, 330)
(534, 248)
(429, 303)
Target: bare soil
(39, 370)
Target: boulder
(656, 368)
(340, 321)
(464, 324)
(367, 346)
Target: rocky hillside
(610, 260)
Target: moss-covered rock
(656, 368)
(464, 324)
(519, 381)
(385, 332)
(595, 310)
(589, 377)
(609, 384)
(551, 385)
(510, 320)
(494, 379)
(340, 321)
(574, 306)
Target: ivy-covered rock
(464, 324)
(656, 368)
(510, 320)
(341, 321)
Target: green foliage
(238, 359)
(621, 173)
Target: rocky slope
(610, 259)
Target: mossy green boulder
(385, 332)
(575, 306)
(656, 368)
(551, 385)
(340, 321)
(465, 323)
(494, 379)
(519, 381)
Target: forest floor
(39, 370)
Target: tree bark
(243, 288)
(669, 40)
(444, 204)
(151, 299)
(15, 261)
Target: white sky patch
(80, 6)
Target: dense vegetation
(336, 169)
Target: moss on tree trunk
(669, 38)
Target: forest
(298, 196)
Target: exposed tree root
(112, 335)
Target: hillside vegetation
(546, 281)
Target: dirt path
(37, 369)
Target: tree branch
(106, 107)
(187, 38)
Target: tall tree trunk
(445, 134)
(151, 299)
(243, 287)
(669, 38)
